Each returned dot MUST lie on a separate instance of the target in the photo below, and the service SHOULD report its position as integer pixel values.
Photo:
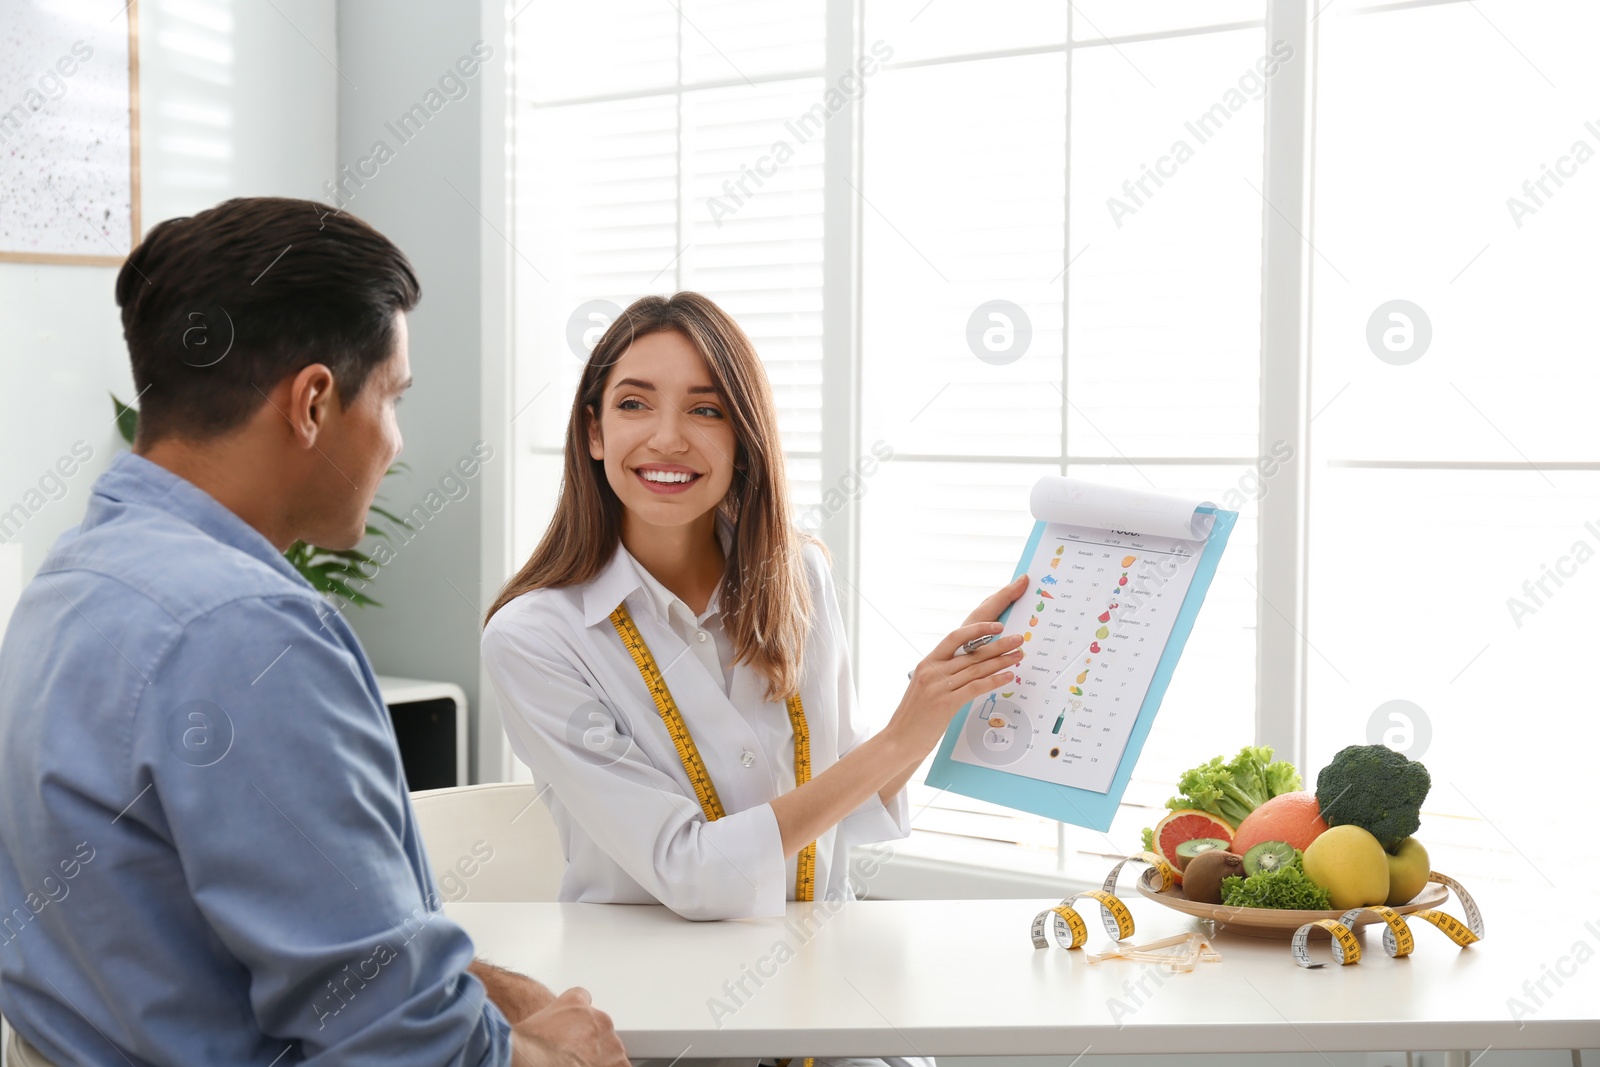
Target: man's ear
(591, 422)
(311, 398)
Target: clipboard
(1033, 745)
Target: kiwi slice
(1268, 856)
(1188, 850)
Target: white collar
(625, 575)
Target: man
(207, 853)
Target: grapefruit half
(1187, 825)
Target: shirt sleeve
(639, 815)
(270, 766)
(872, 820)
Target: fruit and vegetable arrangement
(1245, 833)
(1247, 846)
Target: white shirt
(578, 714)
(702, 634)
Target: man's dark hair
(219, 307)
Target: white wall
(235, 101)
(423, 188)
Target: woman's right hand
(943, 682)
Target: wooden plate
(1277, 922)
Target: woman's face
(663, 431)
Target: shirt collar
(625, 575)
(132, 479)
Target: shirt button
(703, 635)
(747, 757)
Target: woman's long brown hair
(766, 605)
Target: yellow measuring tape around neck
(805, 879)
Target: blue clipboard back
(1084, 807)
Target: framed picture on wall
(69, 131)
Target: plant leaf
(360, 600)
(375, 509)
(127, 419)
(353, 554)
(327, 570)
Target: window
(1453, 452)
(631, 174)
(986, 173)
(1101, 168)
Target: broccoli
(1375, 788)
(1233, 790)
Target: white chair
(493, 842)
(15, 1051)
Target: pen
(969, 647)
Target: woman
(671, 661)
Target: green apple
(1350, 864)
(1408, 871)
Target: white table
(879, 978)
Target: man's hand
(570, 1032)
(516, 995)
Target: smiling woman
(671, 661)
(713, 409)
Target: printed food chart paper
(1116, 579)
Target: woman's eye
(707, 410)
(630, 404)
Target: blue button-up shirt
(207, 852)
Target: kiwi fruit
(1188, 850)
(1202, 879)
(1268, 856)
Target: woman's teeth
(666, 476)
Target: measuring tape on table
(1398, 940)
(1066, 926)
(1065, 923)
